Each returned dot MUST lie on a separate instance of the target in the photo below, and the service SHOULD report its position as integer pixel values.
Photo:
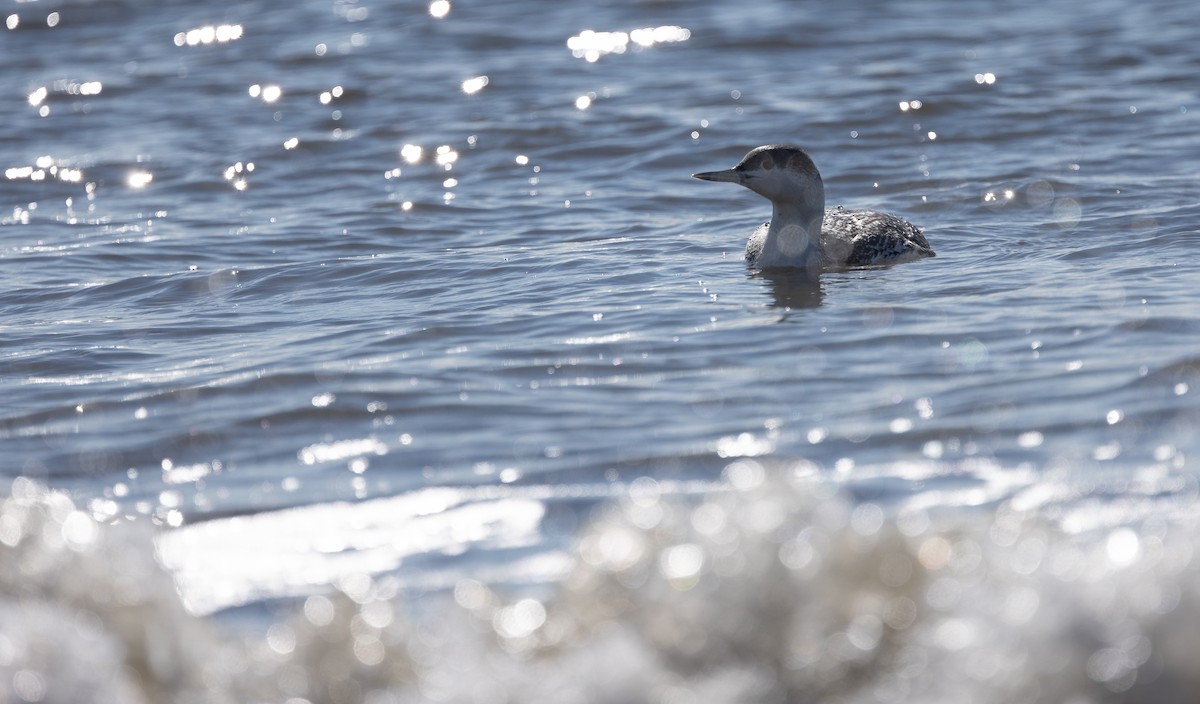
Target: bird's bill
(728, 176)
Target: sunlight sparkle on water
(681, 563)
(411, 153)
(439, 8)
(236, 174)
(328, 96)
(209, 34)
(474, 85)
(269, 94)
(139, 179)
(1123, 547)
(44, 167)
(744, 445)
(519, 620)
(37, 97)
(188, 474)
(660, 35)
(591, 45)
(340, 450)
(446, 156)
(1030, 439)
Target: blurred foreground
(771, 591)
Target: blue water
(260, 257)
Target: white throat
(794, 236)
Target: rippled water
(435, 277)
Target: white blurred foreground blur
(772, 591)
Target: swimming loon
(801, 233)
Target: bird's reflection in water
(793, 289)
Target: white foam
(776, 591)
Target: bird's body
(801, 233)
(857, 238)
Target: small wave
(775, 590)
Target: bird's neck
(794, 236)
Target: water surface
(436, 277)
